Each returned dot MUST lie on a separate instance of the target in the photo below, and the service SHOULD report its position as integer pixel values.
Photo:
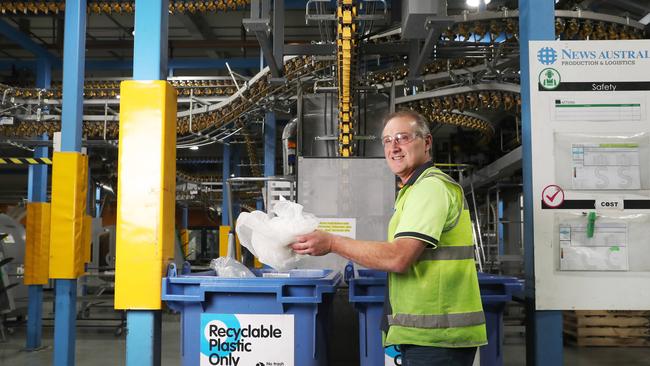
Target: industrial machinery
(13, 294)
(457, 67)
(328, 90)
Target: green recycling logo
(549, 78)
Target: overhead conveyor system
(474, 38)
(470, 83)
(462, 86)
(251, 95)
(469, 42)
(118, 7)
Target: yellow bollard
(146, 192)
(69, 185)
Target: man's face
(404, 158)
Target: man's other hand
(316, 243)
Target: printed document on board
(606, 250)
(606, 166)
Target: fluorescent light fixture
(474, 3)
(645, 20)
(194, 147)
(107, 188)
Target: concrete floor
(98, 347)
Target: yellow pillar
(146, 192)
(37, 244)
(69, 185)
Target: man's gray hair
(421, 124)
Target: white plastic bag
(268, 236)
(228, 267)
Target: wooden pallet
(607, 328)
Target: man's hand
(315, 243)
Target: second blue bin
(367, 291)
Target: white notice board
(591, 147)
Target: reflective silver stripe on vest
(437, 321)
(442, 253)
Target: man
(433, 310)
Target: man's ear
(428, 143)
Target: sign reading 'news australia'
(568, 65)
(247, 339)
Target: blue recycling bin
(367, 291)
(496, 291)
(276, 318)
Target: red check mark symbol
(552, 197)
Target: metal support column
(185, 217)
(278, 32)
(269, 150)
(65, 303)
(543, 328)
(259, 24)
(34, 317)
(43, 73)
(150, 40)
(149, 63)
(236, 160)
(74, 57)
(225, 173)
(74, 53)
(36, 192)
(143, 337)
(500, 226)
(269, 144)
(299, 124)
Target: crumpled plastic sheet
(267, 236)
(230, 268)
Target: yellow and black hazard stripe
(25, 161)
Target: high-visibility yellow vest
(437, 302)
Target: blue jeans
(434, 356)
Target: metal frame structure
(37, 192)
(543, 328)
(269, 35)
(71, 128)
(149, 63)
